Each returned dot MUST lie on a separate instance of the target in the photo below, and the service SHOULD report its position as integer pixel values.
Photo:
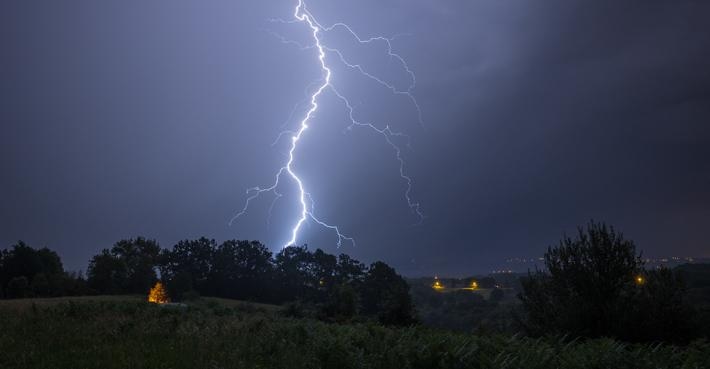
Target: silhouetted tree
(128, 267)
(140, 256)
(242, 270)
(43, 264)
(293, 273)
(107, 274)
(190, 263)
(590, 289)
(349, 271)
(385, 294)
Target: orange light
(640, 280)
(158, 295)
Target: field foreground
(124, 332)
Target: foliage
(247, 270)
(590, 289)
(27, 272)
(17, 287)
(242, 270)
(463, 310)
(342, 304)
(126, 334)
(385, 294)
(128, 267)
(191, 262)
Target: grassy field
(126, 332)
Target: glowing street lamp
(438, 286)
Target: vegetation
(129, 333)
(595, 286)
(28, 272)
(128, 267)
(466, 311)
(310, 309)
(333, 288)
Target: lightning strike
(306, 202)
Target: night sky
(152, 118)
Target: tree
(589, 288)
(323, 271)
(41, 264)
(190, 259)
(242, 270)
(17, 287)
(128, 267)
(107, 274)
(349, 271)
(293, 274)
(385, 294)
(140, 257)
(341, 304)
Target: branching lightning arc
(307, 205)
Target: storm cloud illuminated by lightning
(305, 200)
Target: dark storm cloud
(128, 118)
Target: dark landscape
(332, 184)
(236, 305)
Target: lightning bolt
(306, 202)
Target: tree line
(593, 285)
(29, 272)
(338, 287)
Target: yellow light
(474, 285)
(640, 280)
(437, 285)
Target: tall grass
(134, 334)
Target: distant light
(158, 295)
(640, 280)
(438, 286)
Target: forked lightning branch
(324, 55)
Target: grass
(126, 332)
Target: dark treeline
(596, 285)
(337, 287)
(593, 285)
(29, 272)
